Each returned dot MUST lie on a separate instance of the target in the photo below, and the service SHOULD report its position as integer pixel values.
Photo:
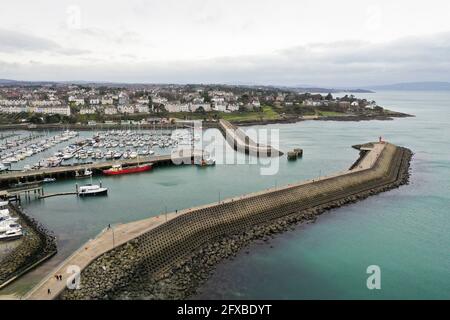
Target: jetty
(158, 244)
(69, 171)
(23, 189)
(240, 141)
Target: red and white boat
(117, 169)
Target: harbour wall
(239, 140)
(171, 260)
(36, 246)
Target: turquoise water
(404, 231)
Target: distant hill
(415, 86)
(317, 89)
(333, 90)
(6, 81)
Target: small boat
(92, 190)
(83, 156)
(86, 174)
(206, 162)
(109, 155)
(48, 180)
(68, 156)
(133, 155)
(11, 234)
(117, 169)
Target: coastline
(183, 281)
(207, 123)
(356, 118)
(180, 281)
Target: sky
(346, 43)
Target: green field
(267, 113)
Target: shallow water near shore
(404, 231)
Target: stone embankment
(171, 260)
(36, 245)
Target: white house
(140, 108)
(256, 103)
(94, 101)
(107, 101)
(7, 102)
(194, 106)
(159, 100)
(123, 99)
(218, 104)
(233, 107)
(312, 103)
(172, 107)
(126, 109)
(110, 110)
(87, 110)
(184, 108)
(79, 101)
(143, 100)
(62, 110)
(45, 103)
(14, 109)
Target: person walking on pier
(49, 291)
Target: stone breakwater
(172, 260)
(239, 141)
(36, 245)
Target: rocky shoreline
(355, 118)
(183, 280)
(36, 244)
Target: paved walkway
(123, 233)
(118, 234)
(371, 157)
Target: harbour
(189, 181)
(382, 160)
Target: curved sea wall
(173, 259)
(241, 142)
(36, 245)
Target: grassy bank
(266, 113)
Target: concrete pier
(157, 244)
(69, 171)
(241, 142)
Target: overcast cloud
(350, 43)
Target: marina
(81, 157)
(10, 229)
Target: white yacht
(11, 234)
(68, 156)
(92, 190)
(86, 174)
